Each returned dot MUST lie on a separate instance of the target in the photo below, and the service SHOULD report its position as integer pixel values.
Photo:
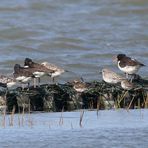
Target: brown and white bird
(79, 86)
(57, 71)
(7, 82)
(128, 65)
(38, 70)
(22, 75)
(126, 85)
(111, 77)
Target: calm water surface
(110, 129)
(79, 35)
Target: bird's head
(118, 57)
(16, 67)
(28, 62)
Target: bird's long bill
(115, 59)
(100, 72)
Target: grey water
(110, 129)
(81, 36)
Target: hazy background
(78, 35)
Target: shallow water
(114, 129)
(79, 35)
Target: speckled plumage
(79, 86)
(126, 85)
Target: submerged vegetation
(63, 97)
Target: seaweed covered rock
(58, 97)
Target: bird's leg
(135, 77)
(28, 85)
(23, 86)
(126, 75)
(5, 101)
(34, 82)
(132, 78)
(39, 80)
(53, 80)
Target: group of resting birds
(32, 70)
(127, 65)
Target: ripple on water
(78, 35)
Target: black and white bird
(38, 70)
(111, 77)
(22, 75)
(128, 65)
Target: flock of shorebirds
(30, 70)
(127, 65)
(34, 71)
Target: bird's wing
(132, 62)
(42, 68)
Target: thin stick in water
(81, 117)
(61, 117)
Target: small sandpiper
(37, 69)
(57, 70)
(111, 77)
(22, 75)
(126, 85)
(79, 86)
(128, 65)
(7, 81)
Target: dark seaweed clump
(58, 97)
